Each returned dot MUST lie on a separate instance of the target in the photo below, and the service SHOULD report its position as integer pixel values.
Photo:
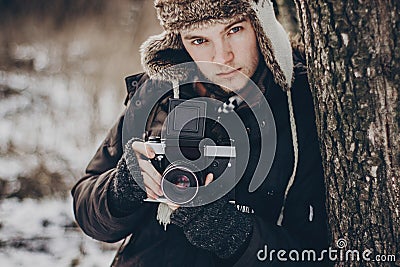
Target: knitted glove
(124, 192)
(218, 227)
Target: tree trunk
(353, 54)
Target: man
(285, 213)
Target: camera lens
(179, 183)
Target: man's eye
(235, 29)
(198, 41)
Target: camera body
(185, 157)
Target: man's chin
(232, 85)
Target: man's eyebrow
(191, 37)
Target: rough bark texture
(353, 53)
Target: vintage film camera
(184, 156)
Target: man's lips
(228, 73)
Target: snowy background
(62, 66)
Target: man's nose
(223, 53)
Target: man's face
(234, 45)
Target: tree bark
(353, 55)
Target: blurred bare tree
(286, 13)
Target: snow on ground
(42, 233)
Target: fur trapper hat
(162, 51)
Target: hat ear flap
(274, 43)
(162, 51)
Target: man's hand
(151, 177)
